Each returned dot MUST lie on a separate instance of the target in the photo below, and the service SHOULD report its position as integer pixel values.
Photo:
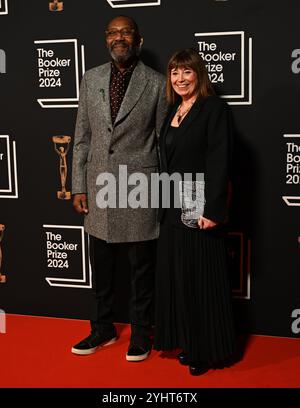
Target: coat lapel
(134, 91)
(190, 117)
(185, 124)
(102, 92)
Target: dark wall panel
(252, 52)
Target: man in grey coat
(121, 109)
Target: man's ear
(141, 42)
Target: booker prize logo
(8, 168)
(3, 7)
(56, 5)
(133, 3)
(58, 65)
(292, 166)
(66, 257)
(61, 146)
(228, 59)
(2, 62)
(2, 277)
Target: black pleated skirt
(193, 296)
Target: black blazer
(202, 145)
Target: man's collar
(130, 69)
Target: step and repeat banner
(251, 49)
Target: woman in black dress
(193, 298)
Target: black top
(170, 136)
(202, 145)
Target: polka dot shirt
(119, 82)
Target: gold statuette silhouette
(61, 146)
(56, 5)
(2, 277)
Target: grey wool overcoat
(132, 141)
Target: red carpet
(35, 352)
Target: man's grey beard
(132, 51)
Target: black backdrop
(262, 42)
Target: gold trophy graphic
(2, 277)
(56, 5)
(61, 146)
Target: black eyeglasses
(125, 32)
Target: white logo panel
(8, 168)
(292, 176)
(228, 64)
(3, 7)
(132, 3)
(58, 72)
(65, 252)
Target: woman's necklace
(181, 114)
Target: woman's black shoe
(183, 358)
(199, 369)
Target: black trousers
(141, 256)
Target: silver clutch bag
(192, 202)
